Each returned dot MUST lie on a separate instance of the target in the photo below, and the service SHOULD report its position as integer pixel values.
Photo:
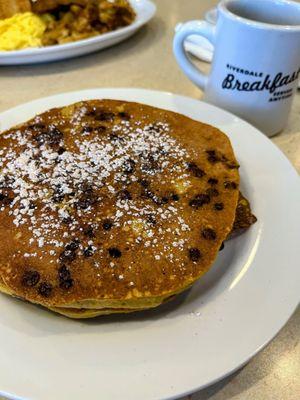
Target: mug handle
(201, 28)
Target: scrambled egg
(21, 31)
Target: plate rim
(237, 119)
(39, 51)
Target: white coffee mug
(256, 61)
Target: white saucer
(207, 333)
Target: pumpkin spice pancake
(110, 206)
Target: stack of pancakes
(112, 207)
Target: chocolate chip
(104, 116)
(87, 129)
(45, 289)
(194, 254)
(164, 200)
(218, 206)
(232, 165)
(199, 200)
(32, 206)
(151, 220)
(195, 170)
(212, 192)
(129, 166)
(65, 279)
(113, 137)
(89, 232)
(144, 183)
(37, 126)
(51, 136)
(175, 197)
(114, 252)
(87, 198)
(100, 129)
(67, 220)
(125, 195)
(230, 185)
(30, 278)
(150, 165)
(212, 181)
(150, 195)
(67, 255)
(222, 247)
(107, 224)
(209, 234)
(212, 156)
(83, 204)
(88, 252)
(61, 150)
(74, 245)
(5, 200)
(124, 115)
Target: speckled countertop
(146, 61)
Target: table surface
(146, 61)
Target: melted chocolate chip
(218, 206)
(89, 232)
(230, 185)
(45, 289)
(67, 256)
(129, 166)
(144, 183)
(199, 200)
(212, 156)
(194, 254)
(175, 197)
(5, 200)
(151, 220)
(100, 129)
(67, 220)
(232, 165)
(150, 195)
(51, 136)
(212, 181)
(107, 224)
(74, 245)
(37, 126)
(209, 234)
(104, 116)
(69, 253)
(114, 252)
(88, 252)
(212, 192)
(113, 137)
(61, 150)
(150, 165)
(30, 278)
(195, 170)
(87, 129)
(87, 198)
(65, 279)
(125, 195)
(124, 115)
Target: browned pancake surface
(112, 200)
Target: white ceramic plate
(206, 334)
(145, 10)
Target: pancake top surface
(112, 200)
